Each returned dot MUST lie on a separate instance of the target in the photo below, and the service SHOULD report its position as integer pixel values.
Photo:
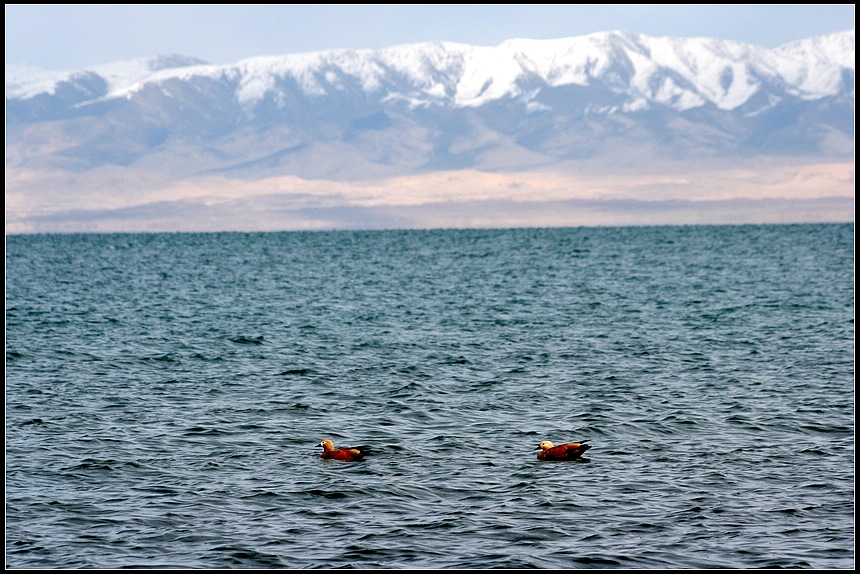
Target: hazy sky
(64, 36)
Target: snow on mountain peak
(682, 73)
(25, 81)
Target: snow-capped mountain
(679, 73)
(607, 102)
(442, 105)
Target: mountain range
(608, 128)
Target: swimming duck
(352, 453)
(568, 451)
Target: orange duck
(569, 451)
(352, 453)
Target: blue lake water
(165, 393)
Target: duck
(350, 453)
(567, 451)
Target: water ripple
(165, 393)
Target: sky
(72, 36)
